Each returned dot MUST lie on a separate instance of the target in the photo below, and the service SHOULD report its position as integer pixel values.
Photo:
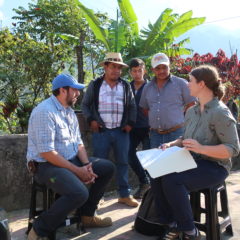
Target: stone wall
(14, 178)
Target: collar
(211, 104)
(58, 105)
(169, 78)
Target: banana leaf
(99, 32)
(129, 15)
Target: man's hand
(145, 111)
(94, 125)
(86, 174)
(127, 128)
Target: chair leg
(32, 210)
(195, 200)
(211, 215)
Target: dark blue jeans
(74, 193)
(157, 139)
(137, 136)
(118, 140)
(171, 192)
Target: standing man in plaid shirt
(110, 109)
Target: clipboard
(159, 163)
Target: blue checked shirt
(52, 128)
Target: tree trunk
(80, 64)
(79, 52)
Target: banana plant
(125, 26)
(123, 34)
(161, 35)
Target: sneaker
(32, 235)
(172, 234)
(96, 221)
(197, 236)
(129, 201)
(141, 191)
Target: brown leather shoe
(130, 201)
(96, 221)
(33, 236)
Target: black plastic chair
(216, 219)
(48, 197)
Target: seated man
(55, 146)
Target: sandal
(172, 234)
(197, 236)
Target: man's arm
(83, 173)
(87, 102)
(132, 108)
(82, 154)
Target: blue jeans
(73, 193)
(171, 192)
(137, 136)
(157, 139)
(118, 140)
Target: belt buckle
(160, 130)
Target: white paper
(158, 162)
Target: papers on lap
(158, 162)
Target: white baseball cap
(160, 58)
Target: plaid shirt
(52, 128)
(111, 104)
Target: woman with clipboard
(210, 135)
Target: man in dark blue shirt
(140, 132)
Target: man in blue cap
(56, 149)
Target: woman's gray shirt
(213, 126)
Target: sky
(220, 30)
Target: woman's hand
(192, 145)
(164, 146)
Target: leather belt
(166, 131)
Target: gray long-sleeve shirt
(213, 126)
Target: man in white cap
(164, 99)
(110, 109)
(56, 151)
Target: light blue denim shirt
(52, 128)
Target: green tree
(60, 21)
(26, 71)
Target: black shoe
(197, 236)
(141, 190)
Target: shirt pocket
(62, 131)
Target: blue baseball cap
(66, 80)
